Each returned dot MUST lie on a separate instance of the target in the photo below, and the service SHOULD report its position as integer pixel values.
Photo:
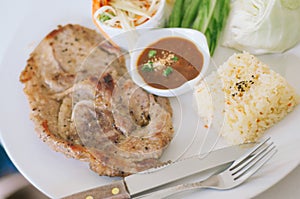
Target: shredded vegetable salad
(126, 14)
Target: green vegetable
(186, 4)
(204, 15)
(151, 53)
(148, 67)
(207, 16)
(190, 14)
(185, 7)
(216, 24)
(177, 13)
(167, 71)
(104, 17)
(174, 58)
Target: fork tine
(256, 163)
(250, 159)
(248, 154)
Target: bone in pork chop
(85, 105)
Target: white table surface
(287, 188)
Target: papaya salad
(124, 14)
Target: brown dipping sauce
(169, 63)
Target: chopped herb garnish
(148, 67)
(167, 71)
(104, 17)
(151, 53)
(174, 58)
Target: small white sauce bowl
(152, 36)
(117, 35)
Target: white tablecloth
(12, 11)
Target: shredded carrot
(95, 6)
(138, 17)
(147, 5)
(104, 2)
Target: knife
(138, 183)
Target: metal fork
(236, 174)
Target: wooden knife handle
(115, 190)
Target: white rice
(243, 111)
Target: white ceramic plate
(56, 175)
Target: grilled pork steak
(85, 105)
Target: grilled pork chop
(85, 105)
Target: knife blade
(140, 182)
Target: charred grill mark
(108, 82)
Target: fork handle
(172, 190)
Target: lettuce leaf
(263, 26)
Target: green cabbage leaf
(263, 26)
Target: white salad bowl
(126, 38)
(152, 36)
